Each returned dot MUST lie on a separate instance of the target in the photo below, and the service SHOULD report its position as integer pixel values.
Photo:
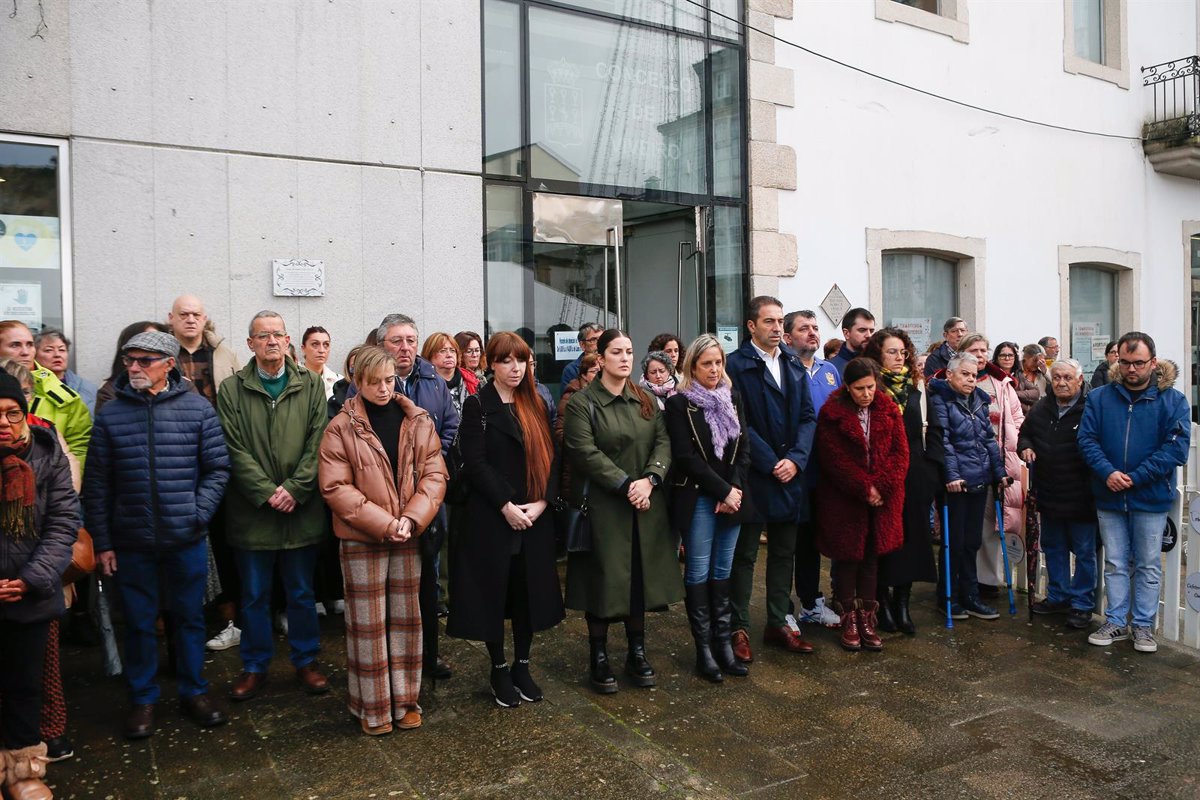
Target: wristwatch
(655, 481)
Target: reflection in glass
(727, 121)
(30, 238)
(725, 15)
(1093, 314)
(727, 271)
(1089, 29)
(680, 14)
(502, 88)
(507, 277)
(615, 105)
(918, 294)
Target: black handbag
(575, 521)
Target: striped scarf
(897, 385)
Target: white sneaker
(281, 623)
(820, 614)
(230, 637)
(791, 623)
(321, 612)
(339, 606)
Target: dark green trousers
(781, 559)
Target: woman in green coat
(617, 442)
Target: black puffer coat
(41, 560)
(157, 469)
(1060, 475)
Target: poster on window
(22, 302)
(918, 329)
(29, 242)
(1082, 334)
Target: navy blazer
(780, 424)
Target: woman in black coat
(502, 564)
(39, 520)
(914, 561)
(709, 460)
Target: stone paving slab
(1003, 709)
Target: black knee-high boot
(699, 617)
(722, 628)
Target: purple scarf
(719, 413)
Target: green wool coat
(273, 443)
(623, 445)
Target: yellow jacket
(56, 402)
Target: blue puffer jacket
(971, 452)
(1146, 440)
(157, 468)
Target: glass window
(502, 152)
(932, 6)
(724, 19)
(508, 281)
(919, 292)
(615, 105)
(680, 14)
(1089, 29)
(31, 251)
(1093, 314)
(727, 121)
(728, 275)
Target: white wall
(874, 155)
(209, 138)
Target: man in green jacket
(274, 414)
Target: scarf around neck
(897, 385)
(661, 392)
(719, 413)
(18, 493)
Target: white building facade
(533, 164)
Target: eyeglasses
(265, 335)
(14, 416)
(1139, 364)
(142, 361)
(592, 339)
(472, 351)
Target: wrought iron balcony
(1171, 138)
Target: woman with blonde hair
(382, 474)
(709, 457)
(502, 564)
(442, 351)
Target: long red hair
(531, 413)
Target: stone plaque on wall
(298, 278)
(835, 305)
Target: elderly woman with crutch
(972, 464)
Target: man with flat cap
(156, 472)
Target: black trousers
(428, 600)
(808, 563)
(22, 657)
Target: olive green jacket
(273, 443)
(56, 402)
(622, 446)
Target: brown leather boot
(866, 625)
(850, 637)
(24, 771)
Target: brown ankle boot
(25, 769)
(850, 637)
(866, 625)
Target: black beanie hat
(10, 387)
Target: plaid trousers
(383, 628)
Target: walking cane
(1012, 600)
(946, 559)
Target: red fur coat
(843, 515)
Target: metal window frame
(65, 223)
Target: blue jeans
(185, 572)
(1132, 548)
(709, 543)
(296, 568)
(1060, 540)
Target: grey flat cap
(154, 342)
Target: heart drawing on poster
(25, 240)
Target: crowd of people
(276, 491)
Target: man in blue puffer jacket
(972, 464)
(1135, 432)
(157, 468)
